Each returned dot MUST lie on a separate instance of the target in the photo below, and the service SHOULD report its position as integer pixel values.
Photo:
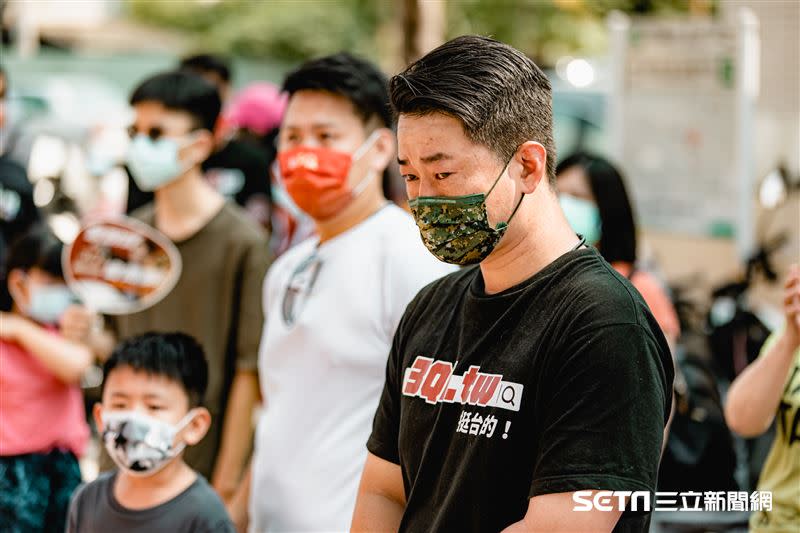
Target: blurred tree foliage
(295, 30)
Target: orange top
(655, 296)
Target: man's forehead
(316, 107)
(430, 138)
(126, 379)
(153, 110)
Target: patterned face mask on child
(140, 444)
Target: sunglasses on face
(155, 133)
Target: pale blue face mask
(48, 302)
(154, 164)
(583, 216)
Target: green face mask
(456, 229)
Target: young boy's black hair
(176, 356)
(182, 91)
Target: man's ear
(200, 147)
(97, 413)
(197, 428)
(384, 150)
(532, 158)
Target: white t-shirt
(321, 377)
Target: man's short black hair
(182, 91)
(618, 236)
(499, 95)
(208, 63)
(356, 79)
(176, 356)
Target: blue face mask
(154, 164)
(48, 302)
(583, 216)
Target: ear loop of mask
(502, 226)
(190, 139)
(358, 154)
(180, 426)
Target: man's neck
(542, 236)
(361, 208)
(186, 205)
(137, 492)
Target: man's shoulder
(442, 290)
(402, 245)
(239, 226)
(295, 255)
(595, 288)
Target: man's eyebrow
(153, 396)
(438, 156)
(316, 125)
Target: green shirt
(781, 472)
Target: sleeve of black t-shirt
(383, 441)
(606, 397)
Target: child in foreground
(43, 426)
(153, 387)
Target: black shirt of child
(561, 383)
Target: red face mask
(316, 178)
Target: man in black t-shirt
(513, 384)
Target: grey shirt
(197, 509)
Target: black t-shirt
(561, 383)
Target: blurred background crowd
(695, 104)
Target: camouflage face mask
(456, 229)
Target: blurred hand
(791, 305)
(76, 323)
(10, 325)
